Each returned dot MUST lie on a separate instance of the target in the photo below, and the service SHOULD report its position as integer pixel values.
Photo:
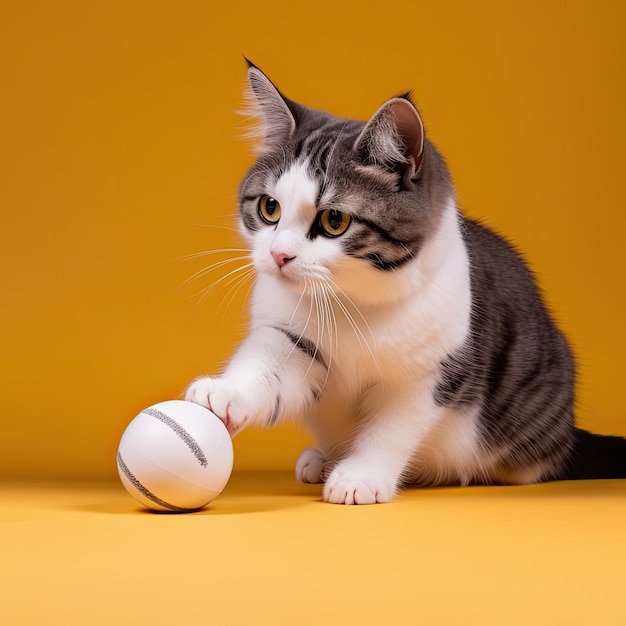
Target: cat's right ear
(273, 119)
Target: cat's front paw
(310, 466)
(224, 398)
(350, 486)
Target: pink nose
(281, 258)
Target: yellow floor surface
(269, 551)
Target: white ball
(175, 456)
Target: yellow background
(268, 552)
(118, 146)
(118, 149)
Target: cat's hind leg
(310, 466)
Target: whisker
(195, 255)
(293, 315)
(211, 268)
(234, 230)
(318, 338)
(334, 317)
(356, 308)
(236, 284)
(306, 324)
(328, 310)
(247, 296)
(355, 327)
(204, 292)
(327, 317)
(411, 255)
(322, 319)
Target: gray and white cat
(410, 340)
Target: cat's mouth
(288, 275)
(297, 280)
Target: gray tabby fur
(514, 372)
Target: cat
(410, 340)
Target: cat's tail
(596, 456)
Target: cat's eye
(269, 210)
(333, 223)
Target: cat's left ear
(393, 138)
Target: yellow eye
(333, 223)
(269, 210)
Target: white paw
(224, 398)
(350, 487)
(310, 466)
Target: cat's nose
(281, 258)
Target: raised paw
(310, 466)
(223, 398)
(350, 487)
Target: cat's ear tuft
(249, 63)
(393, 138)
(273, 121)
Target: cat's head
(344, 202)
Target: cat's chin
(293, 284)
(291, 281)
(297, 283)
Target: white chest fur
(390, 350)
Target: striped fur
(414, 344)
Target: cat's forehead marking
(296, 191)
